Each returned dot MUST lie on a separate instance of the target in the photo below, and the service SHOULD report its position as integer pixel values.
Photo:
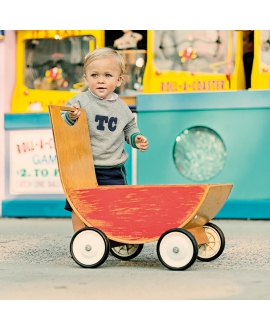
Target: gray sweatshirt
(110, 124)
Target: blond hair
(106, 52)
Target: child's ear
(119, 81)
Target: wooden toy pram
(121, 219)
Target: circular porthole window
(199, 153)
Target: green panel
(245, 133)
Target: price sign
(33, 163)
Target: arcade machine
(49, 67)
(193, 61)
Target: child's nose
(101, 79)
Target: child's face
(103, 76)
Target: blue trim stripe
(246, 99)
(34, 208)
(26, 121)
(245, 209)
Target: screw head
(175, 249)
(87, 247)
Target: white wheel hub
(176, 249)
(88, 247)
(211, 248)
(125, 250)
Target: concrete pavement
(35, 263)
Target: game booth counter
(187, 90)
(33, 187)
(49, 70)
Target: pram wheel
(89, 247)
(177, 249)
(126, 251)
(213, 249)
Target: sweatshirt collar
(113, 97)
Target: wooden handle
(57, 108)
(73, 150)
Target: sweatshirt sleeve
(131, 130)
(64, 114)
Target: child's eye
(94, 75)
(108, 75)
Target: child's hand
(141, 142)
(73, 115)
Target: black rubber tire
(193, 244)
(222, 243)
(106, 248)
(128, 257)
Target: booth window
(194, 51)
(56, 63)
(265, 49)
(199, 153)
(131, 44)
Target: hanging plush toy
(53, 74)
(188, 53)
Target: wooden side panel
(73, 149)
(215, 197)
(138, 214)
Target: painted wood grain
(140, 214)
(137, 213)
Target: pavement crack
(13, 240)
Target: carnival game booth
(194, 61)
(49, 70)
(186, 85)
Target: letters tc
(105, 119)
